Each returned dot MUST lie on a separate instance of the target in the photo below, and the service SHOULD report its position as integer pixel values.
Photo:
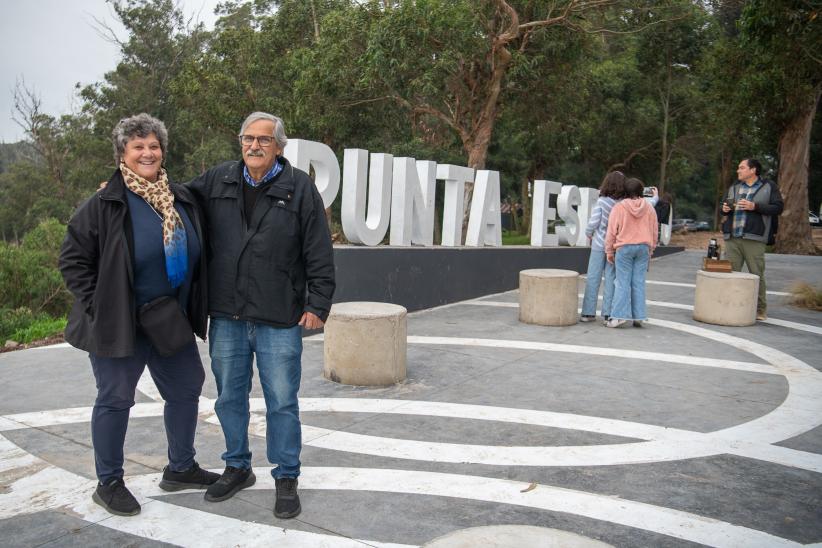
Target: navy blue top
(150, 278)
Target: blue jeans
(279, 353)
(629, 296)
(596, 264)
(179, 378)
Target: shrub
(29, 277)
(44, 326)
(23, 326)
(805, 295)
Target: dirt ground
(699, 240)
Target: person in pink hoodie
(629, 243)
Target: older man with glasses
(270, 273)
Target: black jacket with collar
(762, 223)
(279, 264)
(97, 263)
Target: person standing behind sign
(752, 207)
(629, 243)
(611, 191)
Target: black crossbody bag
(166, 326)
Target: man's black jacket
(762, 223)
(281, 265)
(97, 263)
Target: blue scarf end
(177, 257)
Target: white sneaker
(613, 322)
(587, 318)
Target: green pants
(752, 253)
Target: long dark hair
(633, 188)
(613, 185)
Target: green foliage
(29, 277)
(672, 90)
(23, 326)
(783, 40)
(515, 238)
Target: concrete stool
(365, 344)
(726, 298)
(548, 296)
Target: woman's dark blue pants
(179, 379)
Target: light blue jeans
(629, 295)
(232, 345)
(597, 263)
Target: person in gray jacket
(751, 207)
(271, 274)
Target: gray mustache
(255, 153)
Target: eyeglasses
(263, 140)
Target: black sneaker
(287, 504)
(193, 478)
(232, 480)
(116, 498)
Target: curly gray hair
(139, 125)
(279, 127)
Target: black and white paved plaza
(675, 434)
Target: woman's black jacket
(97, 263)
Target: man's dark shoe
(193, 478)
(287, 504)
(116, 498)
(232, 480)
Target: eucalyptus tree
(159, 42)
(783, 43)
(667, 55)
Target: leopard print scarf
(158, 195)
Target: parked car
(702, 226)
(814, 219)
(683, 224)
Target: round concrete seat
(548, 296)
(365, 344)
(726, 298)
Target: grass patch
(807, 296)
(515, 238)
(23, 326)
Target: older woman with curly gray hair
(133, 259)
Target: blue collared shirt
(275, 169)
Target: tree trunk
(724, 180)
(665, 99)
(525, 200)
(794, 235)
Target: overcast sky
(53, 45)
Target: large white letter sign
(588, 199)
(455, 178)
(306, 154)
(568, 198)
(485, 222)
(412, 202)
(358, 227)
(543, 213)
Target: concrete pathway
(674, 434)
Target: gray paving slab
(385, 489)
(57, 530)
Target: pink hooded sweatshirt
(632, 221)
